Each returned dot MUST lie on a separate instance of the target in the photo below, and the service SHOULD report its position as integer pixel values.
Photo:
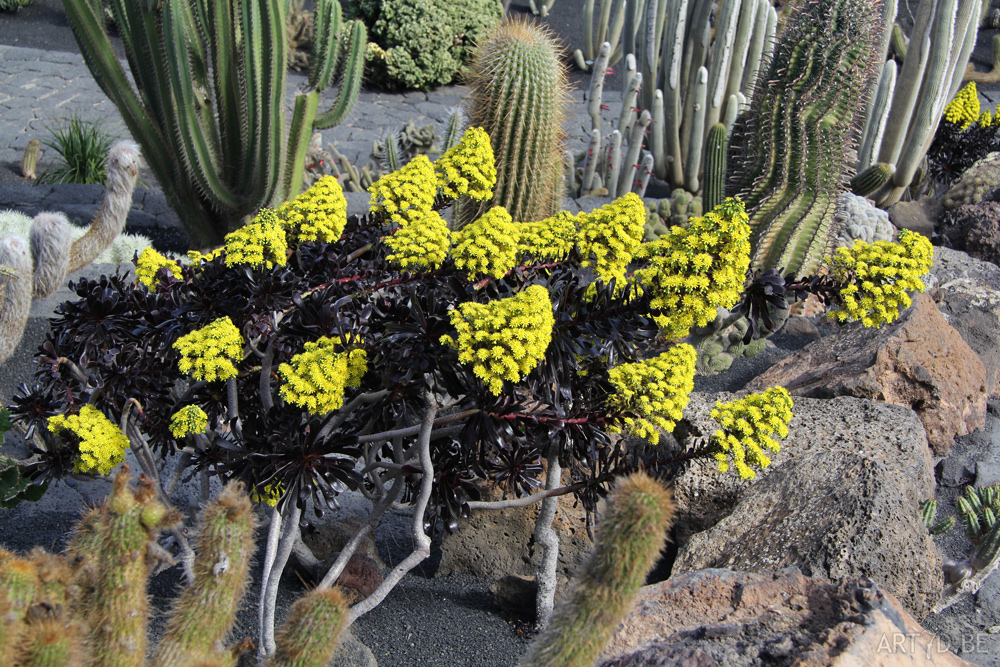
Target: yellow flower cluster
(504, 339)
(406, 191)
(199, 257)
(317, 377)
(318, 214)
(468, 168)
(964, 109)
(260, 243)
(692, 271)
(610, 236)
(421, 242)
(269, 495)
(878, 277)
(488, 246)
(748, 428)
(549, 239)
(188, 420)
(655, 391)
(208, 353)
(102, 444)
(149, 264)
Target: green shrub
(13, 5)
(425, 43)
(82, 147)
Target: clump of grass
(13, 5)
(82, 147)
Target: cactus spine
(209, 110)
(518, 95)
(791, 149)
(629, 540)
(89, 606)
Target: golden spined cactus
(654, 390)
(877, 277)
(518, 96)
(629, 540)
(488, 246)
(503, 339)
(749, 426)
(208, 353)
(310, 635)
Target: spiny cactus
(980, 508)
(58, 248)
(89, 607)
(791, 149)
(629, 540)
(518, 95)
(29, 162)
(928, 514)
(209, 108)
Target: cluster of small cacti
(719, 346)
(979, 183)
(666, 213)
(792, 147)
(928, 514)
(90, 606)
(58, 248)
(979, 508)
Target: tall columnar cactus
(89, 606)
(519, 95)
(207, 106)
(57, 249)
(629, 540)
(790, 151)
(943, 36)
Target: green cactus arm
(714, 189)
(633, 83)
(720, 61)
(697, 46)
(298, 143)
(589, 52)
(614, 163)
(741, 46)
(696, 136)
(877, 115)
(871, 179)
(596, 92)
(631, 164)
(657, 138)
(960, 61)
(205, 611)
(350, 85)
(629, 540)
(228, 81)
(328, 20)
(49, 640)
(760, 45)
(670, 167)
(310, 634)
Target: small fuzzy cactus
(629, 540)
(89, 606)
(29, 162)
(518, 95)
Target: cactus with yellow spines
(88, 608)
(518, 96)
(629, 540)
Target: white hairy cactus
(52, 236)
(15, 290)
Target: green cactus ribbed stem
(614, 163)
(207, 105)
(762, 38)
(629, 101)
(310, 635)
(877, 115)
(519, 95)
(719, 63)
(631, 164)
(596, 91)
(671, 165)
(696, 139)
(790, 150)
(593, 157)
(29, 161)
(871, 179)
(714, 189)
(629, 540)
(120, 610)
(206, 610)
(658, 137)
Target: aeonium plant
(397, 357)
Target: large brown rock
(967, 292)
(919, 361)
(839, 500)
(715, 618)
